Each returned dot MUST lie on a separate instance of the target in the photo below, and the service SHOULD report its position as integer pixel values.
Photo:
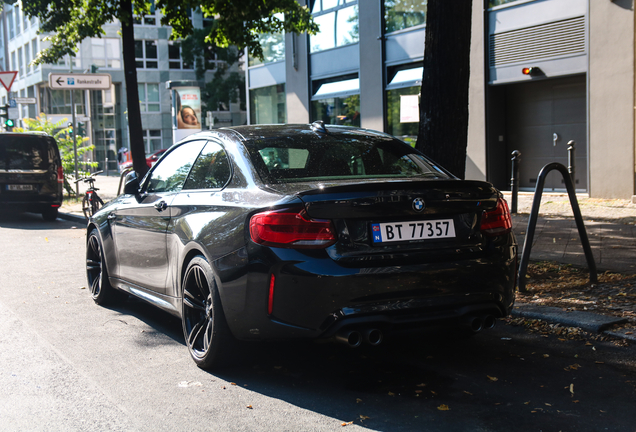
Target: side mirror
(131, 185)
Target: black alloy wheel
(96, 274)
(204, 326)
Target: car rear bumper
(317, 298)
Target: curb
(588, 321)
(72, 217)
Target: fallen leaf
(82, 287)
(346, 424)
(629, 333)
(575, 401)
(249, 407)
(546, 355)
(547, 404)
(443, 407)
(391, 394)
(527, 403)
(434, 393)
(468, 393)
(572, 389)
(599, 362)
(421, 385)
(363, 417)
(418, 391)
(232, 383)
(46, 239)
(492, 378)
(358, 400)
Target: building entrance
(541, 118)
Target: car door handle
(161, 205)
(111, 216)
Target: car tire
(102, 291)
(205, 328)
(49, 214)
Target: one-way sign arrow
(59, 81)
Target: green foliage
(238, 22)
(60, 131)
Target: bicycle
(91, 202)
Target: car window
(338, 157)
(24, 153)
(170, 174)
(211, 169)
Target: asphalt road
(67, 364)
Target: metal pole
(571, 161)
(74, 141)
(514, 180)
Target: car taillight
(497, 221)
(60, 175)
(291, 229)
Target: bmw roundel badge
(418, 204)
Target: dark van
(31, 174)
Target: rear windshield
(313, 157)
(24, 153)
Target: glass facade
(406, 131)
(337, 110)
(338, 21)
(273, 45)
(267, 105)
(493, 3)
(402, 14)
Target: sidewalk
(610, 226)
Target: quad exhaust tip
(479, 323)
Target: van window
(23, 153)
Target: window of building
(493, 3)
(17, 19)
(106, 52)
(338, 21)
(59, 101)
(337, 101)
(149, 97)
(152, 140)
(273, 45)
(25, 21)
(11, 25)
(20, 64)
(27, 57)
(405, 83)
(175, 61)
(14, 62)
(34, 50)
(402, 14)
(267, 105)
(146, 20)
(146, 54)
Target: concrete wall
(371, 69)
(476, 150)
(611, 98)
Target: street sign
(7, 78)
(13, 103)
(14, 113)
(71, 81)
(24, 100)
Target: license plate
(20, 187)
(415, 230)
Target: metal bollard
(106, 166)
(514, 180)
(571, 161)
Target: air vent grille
(539, 42)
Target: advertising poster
(187, 111)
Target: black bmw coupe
(304, 232)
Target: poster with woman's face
(188, 107)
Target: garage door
(541, 118)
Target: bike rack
(532, 223)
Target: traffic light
(81, 129)
(9, 123)
(6, 121)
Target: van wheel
(49, 214)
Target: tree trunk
(137, 149)
(443, 128)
